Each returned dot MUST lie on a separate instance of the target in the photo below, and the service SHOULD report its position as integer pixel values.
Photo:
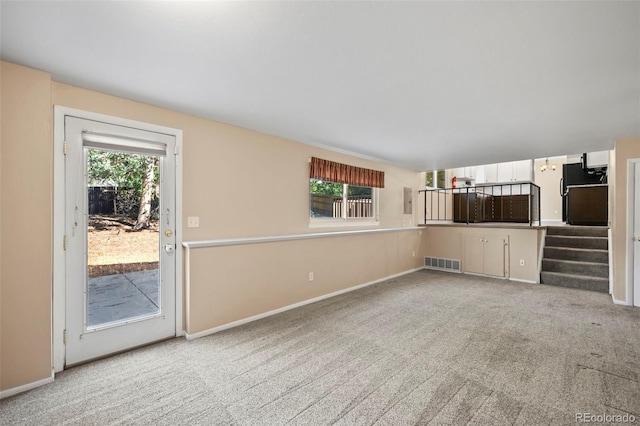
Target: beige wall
(549, 183)
(242, 183)
(25, 286)
(447, 242)
(625, 149)
(439, 206)
(231, 283)
(239, 182)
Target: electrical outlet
(521, 262)
(310, 276)
(193, 222)
(413, 253)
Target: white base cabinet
(485, 255)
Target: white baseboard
(289, 307)
(481, 275)
(475, 274)
(551, 222)
(23, 388)
(524, 281)
(619, 302)
(434, 268)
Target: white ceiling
(421, 84)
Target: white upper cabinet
(512, 171)
(491, 173)
(451, 173)
(479, 175)
(505, 172)
(460, 173)
(598, 159)
(522, 170)
(467, 172)
(470, 172)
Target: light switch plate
(193, 222)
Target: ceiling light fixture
(546, 166)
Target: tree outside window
(435, 179)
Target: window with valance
(342, 191)
(332, 171)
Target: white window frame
(436, 173)
(327, 222)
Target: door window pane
(123, 241)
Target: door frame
(59, 286)
(630, 237)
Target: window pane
(359, 201)
(325, 198)
(435, 179)
(429, 181)
(441, 179)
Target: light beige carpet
(426, 348)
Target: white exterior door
(120, 288)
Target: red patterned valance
(343, 173)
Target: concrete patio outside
(120, 296)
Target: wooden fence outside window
(358, 206)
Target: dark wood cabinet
(517, 202)
(468, 207)
(491, 208)
(588, 205)
(515, 208)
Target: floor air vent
(445, 264)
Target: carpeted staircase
(576, 257)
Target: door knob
(168, 248)
(638, 238)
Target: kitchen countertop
(517, 182)
(588, 185)
(503, 225)
(483, 185)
